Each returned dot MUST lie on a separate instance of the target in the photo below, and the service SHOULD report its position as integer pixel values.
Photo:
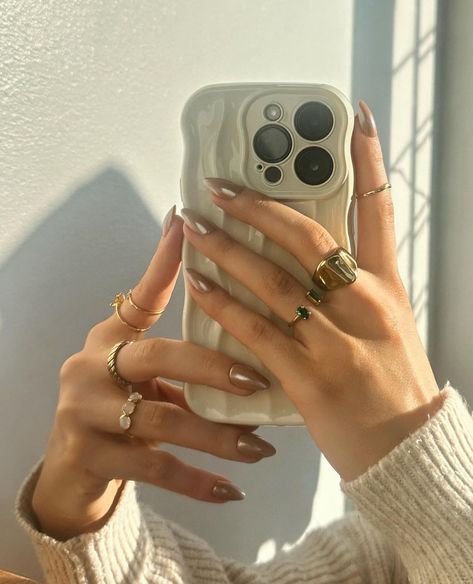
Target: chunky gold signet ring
(336, 270)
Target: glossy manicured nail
(367, 123)
(222, 187)
(228, 491)
(198, 281)
(252, 445)
(167, 222)
(196, 222)
(247, 378)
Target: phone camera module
(272, 112)
(314, 165)
(313, 121)
(272, 143)
(273, 174)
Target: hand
(356, 370)
(88, 456)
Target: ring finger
(157, 421)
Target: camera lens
(313, 120)
(272, 143)
(313, 165)
(273, 174)
(272, 112)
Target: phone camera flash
(273, 112)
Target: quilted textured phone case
(218, 124)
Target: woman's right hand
(88, 456)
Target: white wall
(452, 265)
(90, 97)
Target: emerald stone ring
(301, 312)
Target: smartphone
(290, 141)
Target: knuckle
(225, 243)
(210, 362)
(147, 350)
(313, 235)
(159, 414)
(260, 330)
(72, 368)
(280, 282)
(160, 468)
(260, 204)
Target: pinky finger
(138, 462)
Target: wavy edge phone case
(217, 143)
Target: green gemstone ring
(301, 313)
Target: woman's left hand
(356, 369)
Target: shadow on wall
(56, 285)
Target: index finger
(155, 288)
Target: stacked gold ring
(120, 299)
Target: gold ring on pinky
(127, 410)
(301, 313)
(112, 365)
(383, 187)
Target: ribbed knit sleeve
(138, 546)
(420, 496)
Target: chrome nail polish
(252, 445)
(196, 222)
(247, 378)
(222, 187)
(228, 491)
(167, 221)
(198, 281)
(367, 123)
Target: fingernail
(367, 123)
(247, 378)
(228, 491)
(196, 222)
(198, 281)
(252, 445)
(222, 187)
(167, 221)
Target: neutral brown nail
(252, 445)
(228, 491)
(247, 378)
(167, 222)
(222, 187)
(367, 123)
(196, 279)
(196, 222)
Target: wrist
(69, 500)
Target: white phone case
(218, 122)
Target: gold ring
(314, 296)
(117, 302)
(383, 187)
(112, 365)
(133, 303)
(301, 312)
(336, 270)
(127, 409)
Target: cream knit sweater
(414, 523)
